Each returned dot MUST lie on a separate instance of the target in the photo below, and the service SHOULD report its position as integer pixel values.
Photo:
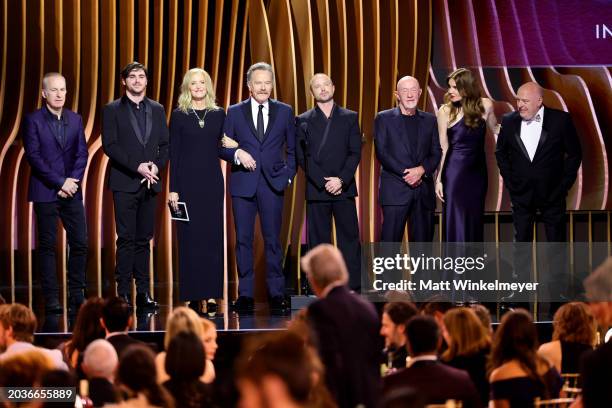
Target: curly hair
(574, 322)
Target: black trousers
(72, 214)
(135, 223)
(420, 226)
(553, 217)
(319, 218)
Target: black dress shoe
(211, 306)
(126, 298)
(279, 304)
(244, 304)
(145, 301)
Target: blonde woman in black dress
(196, 128)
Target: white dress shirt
(255, 112)
(530, 133)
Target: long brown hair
(574, 322)
(517, 339)
(467, 333)
(471, 101)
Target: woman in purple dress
(462, 180)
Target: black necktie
(260, 124)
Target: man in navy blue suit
(55, 147)
(263, 166)
(408, 148)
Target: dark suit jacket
(437, 381)
(101, 391)
(346, 330)
(395, 154)
(51, 162)
(121, 140)
(275, 155)
(336, 156)
(595, 377)
(121, 342)
(546, 179)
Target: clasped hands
(149, 172)
(413, 176)
(333, 185)
(69, 188)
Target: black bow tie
(536, 118)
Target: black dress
(522, 391)
(571, 353)
(476, 366)
(195, 174)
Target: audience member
(595, 365)
(17, 325)
(210, 347)
(185, 363)
(574, 332)
(116, 321)
(137, 380)
(280, 370)
(87, 328)
(55, 379)
(469, 345)
(484, 315)
(345, 329)
(393, 328)
(436, 307)
(100, 363)
(24, 369)
(182, 319)
(437, 382)
(519, 374)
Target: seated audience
(345, 329)
(469, 345)
(596, 364)
(437, 382)
(574, 332)
(519, 374)
(484, 315)
(24, 369)
(436, 307)
(393, 328)
(185, 363)
(17, 326)
(137, 381)
(116, 321)
(280, 370)
(100, 363)
(55, 379)
(87, 328)
(210, 347)
(182, 319)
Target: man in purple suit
(263, 165)
(55, 147)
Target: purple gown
(465, 183)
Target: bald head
(100, 360)
(529, 100)
(408, 92)
(322, 88)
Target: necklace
(201, 121)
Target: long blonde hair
(468, 334)
(184, 99)
(471, 101)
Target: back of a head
(423, 335)
(138, 373)
(87, 327)
(182, 319)
(100, 360)
(400, 312)
(403, 397)
(21, 319)
(436, 304)
(573, 322)
(56, 379)
(466, 331)
(515, 338)
(116, 314)
(283, 355)
(185, 358)
(24, 369)
(325, 265)
(483, 314)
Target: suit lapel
(420, 131)
(517, 135)
(543, 135)
(272, 108)
(148, 123)
(134, 122)
(248, 116)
